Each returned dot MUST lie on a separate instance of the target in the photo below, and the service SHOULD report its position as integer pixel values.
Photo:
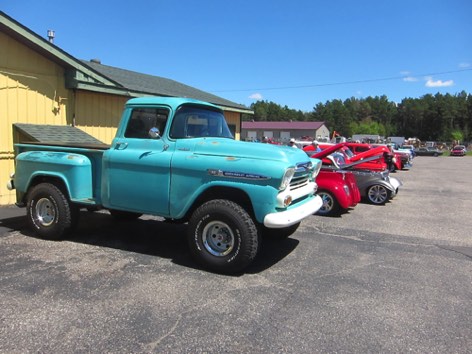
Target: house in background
(283, 131)
(42, 84)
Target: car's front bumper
(292, 216)
(395, 183)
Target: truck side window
(143, 119)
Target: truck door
(137, 166)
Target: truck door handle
(121, 146)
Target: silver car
(375, 187)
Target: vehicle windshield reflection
(196, 122)
(339, 159)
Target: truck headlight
(288, 175)
(316, 168)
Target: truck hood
(236, 149)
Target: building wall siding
(32, 90)
(234, 118)
(98, 114)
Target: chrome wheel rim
(218, 238)
(328, 203)
(378, 194)
(45, 212)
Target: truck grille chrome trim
(302, 175)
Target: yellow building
(42, 84)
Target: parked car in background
(405, 156)
(357, 148)
(392, 159)
(338, 191)
(376, 159)
(428, 151)
(410, 148)
(458, 150)
(375, 187)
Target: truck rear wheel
(222, 236)
(49, 212)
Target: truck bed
(66, 139)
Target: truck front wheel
(49, 212)
(222, 236)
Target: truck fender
(74, 170)
(241, 194)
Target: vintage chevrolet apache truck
(175, 158)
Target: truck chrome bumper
(292, 216)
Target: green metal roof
(159, 86)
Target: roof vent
(51, 35)
(96, 61)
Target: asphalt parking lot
(384, 279)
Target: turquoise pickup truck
(174, 158)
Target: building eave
(80, 74)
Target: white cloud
(464, 65)
(438, 83)
(256, 96)
(410, 79)
(404, 73)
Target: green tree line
(440, 117)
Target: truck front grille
(301, 177)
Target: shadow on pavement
(153, 237)
(12, 219)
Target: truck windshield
(196, 121)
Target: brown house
(283, 131)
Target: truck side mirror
(154, 133)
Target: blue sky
(293, 53)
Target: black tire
(222, 236)
(49, 212)
(378, 194)
(124, 215)
(330, 204)
(278, 234)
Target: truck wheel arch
(235, 195)
(54, 180)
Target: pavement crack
(466, 251)
(152, 346)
